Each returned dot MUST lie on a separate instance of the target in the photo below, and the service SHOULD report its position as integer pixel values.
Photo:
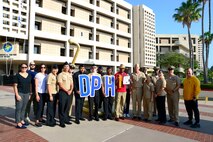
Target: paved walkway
(110, 131)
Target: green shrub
(206, 86)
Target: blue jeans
(21, 107)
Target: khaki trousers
(173, 106)
(136, 101)
(120, 100)
(147, 108)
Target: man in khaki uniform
(65, 82)
(137, 80)
(148, 95)
(71, 71)
(154, 79)
(53, 94)
(172, 88)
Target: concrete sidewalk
(111, 131)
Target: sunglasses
(32, 64)
(23, 67)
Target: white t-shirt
(42, 82)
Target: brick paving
(8, 133)
(202, 137)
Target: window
(39, 3)
(117, 58)
(90, 55)
(97, 20)
(91, 18)
(97, 37)
(82, 34)
(71, 32)
(37, 49)
(97, 56)
(90, 36)
(112, 57)
(112, 40)
(72, 12)
(64, 10)
(98, 3)
(112, 24)
(62, 52)
(63, 30)
(91, 1)
(71, 53)
(37, 25)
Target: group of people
(59, 88)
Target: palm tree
(205, 66)
(208, 38)
(187, 13)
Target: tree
(177, 60)
(208, 37)
(187, 13)
(205, 68)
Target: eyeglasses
(43, 67)
(32, 64)
(23, 67)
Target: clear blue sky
(165, 24)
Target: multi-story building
(179, 43)
(144, 49)
(103, 28)
(14, 17)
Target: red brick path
(202, 137)
(8, 133)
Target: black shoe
(82, 119)
(170, 120)
(68, 122)
(146, 120)
(122, 118)
(104, 119)
(195, 125)
(162, 122)
(21, 127)
(96, 119)
(110, 118)
(51, 125)
(188, 122)
(42, 121)
(157, 119)
(177, 124)
(62, 125)
(134, 117)
(139, 118)
(38, 124)
(77, 121)
(116, 119)
(90, 119)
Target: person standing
(79, 101)
(137, 79)
(172, 88)
(41, 95)
(148, 97)
(120, 97)
(107, 101)
(53, 95)
(94, 99)
(22, 83)
(191, 91)
(32, 72)
(154, 79)
(160, 97)
(126, 107)
(101, 98)
(65, 83)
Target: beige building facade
(103, 28)
(144, 49)
(179, 43)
